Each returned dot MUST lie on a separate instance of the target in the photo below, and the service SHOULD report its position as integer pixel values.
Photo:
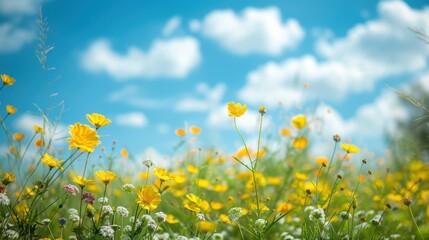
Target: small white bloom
(200, 217)
(317, 214)
(128, 187)
(181, 238)
(74, 218)
(149, 163)
(217, 236)
(161, 216)
(4, 200)
(107, 231)
(11, 234)
(103, 200)
(107, 209)
(235, 213)
(121, 211)
(46, 221)
(73, 211)
(260, 224)
(127, 228)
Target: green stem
(415, 223)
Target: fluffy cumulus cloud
(132, 119)
(369, 52)
(251, 31)
(207, 98)
(173, 58)
(134, 96)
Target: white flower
(73, 211)
(181, 238)
(74, 217)
(317, 214)
(260, 224)
(11, 234)
(217, 236)
(149, 163)
(147, 219)
(235, 213)
(107, 209)
(200, 217)
(107, 231)
(103, 200)
(46, 221)
(121, 211)
(127, 228)
(128, 187)
(4, 200)
(161, 216)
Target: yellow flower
(206, 226)
(106, 176)
(300, 142)
(350, 148)
(171, 219)
(7, 80)
(262, 110)
(299, 121)
(195, 203)
(235, 109)
(216, 205)
(8, 178)
(195, 130)
(322, 160)
(83, 137)
(82, 182)
(124, 153)
(18, 136)
(52, 162)
(284, 207)
(180, 132)
(285, 132)
(220, 187)
(192, 169)
(38, 129)
(148, 198)
(39, 142)
(10, 109)
(98, 120)
(163, 174)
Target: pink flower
(88, 198)
(72, 189)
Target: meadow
(86, 191)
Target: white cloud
(132, 119)
(173, 58)
(251, 31)
(132, 95)
(172, 25)
(13, 38)
(153, 154)
(28, 7)
(209, 98)
(369, 52)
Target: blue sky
(154, 66)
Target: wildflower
(106, 176)
(107, 209)
(7, 80)
(148, 198)
(317, 214)
(90, 211)
(200, 217)
(285, 132)
(72, 189)
(163, 174)
(10, 109)
(82, 182)
(74, 218)
(18, 136)
(39, 142)
(46, 221)
(262, 110)
(38, 129)
(349, 148)
(195, 130)
(195, 203)
(236, 109)
(260, 224)
(103, 200)
(62, 221)
(235, 213)
(206, 226)
(337, 138)
(52, 162)
(4, 200)
(180, 132)
(107, 231)
(10, 234)
(88, 197)
(407, 201)
(345, 215)
(217, 236)
(149, 163)
(299, 121)
(98, 120)
(171, 219)
(284, 207)
(83, 137)
(128, 228)
(8, 178)
(72, 211)
(300, 142)
(162, 217)
(124, 153)
(128, 187)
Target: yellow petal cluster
(299, 121)
(98, 120)
(163, 174)
(236, 109)
(51, 162)
(83, 137)
(7, 80)
(148, 198)
(300, 142)
(82, 182)
(106, 176)
(350, 148)
(10, 109)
